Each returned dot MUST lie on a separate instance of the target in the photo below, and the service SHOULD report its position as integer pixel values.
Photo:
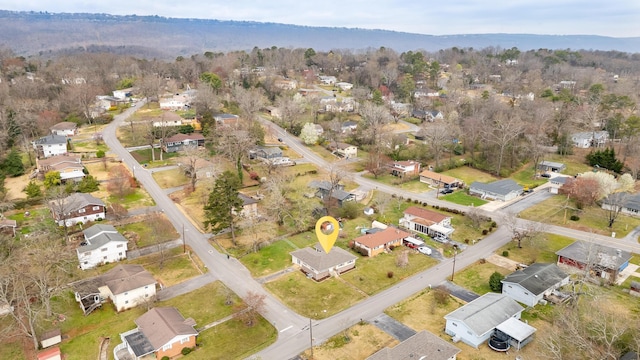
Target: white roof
(441, 229)
(516, 329)
(414, 241)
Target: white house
(102, 244)
(175, 102)
(346, 150)
(123, 93)
(344, 85)
(475, 322)
(626, 203)
(426, 222)
(589, 139)
(68, 166)
(504, 190)
(327, 80)
(534, 283)
(65, 128)
(76, 208)
(320, 265)
(127, 286)
(50, 145)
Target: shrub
(390, 274)
(165, 358)
(495, 282)
(574, 218)
(185, 351)
(505, 253)
(485, 232)
(441, 295)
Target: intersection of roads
(293, 329)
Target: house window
(126, 293)
(104, 258)
(119, 254)
(88, 253)
(526, 293)
(120, 245)
(454, 324)
(184, 340)
(166, 347)
(104, 249)
(96, 208)
(81, 211)
(126, 301)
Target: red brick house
(404, 168)
(373, 244)
(76, 208)
(426, 222)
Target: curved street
(293, 329)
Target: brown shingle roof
(423, 345)
(160, 325)
(65, 125)
(439, 177)
(183, 137)
(58, 159)
(321, 261)
(430, 216)
(386, 236)
(126, 277)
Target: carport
(518, 333)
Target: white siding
(520, 294)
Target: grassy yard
(312, 299)
(170, 178)
(234, 340)
(137, 199)
(413, 185)
(371, 274)
(176, 268)
(462, 198)
(144, 157)
(469, 174)
(269, 259)
(525, 177)
(543, 250)
(12, 350)
(363, 340)
(144, 231)
(592, 219)
(476, 277)
(88, 146)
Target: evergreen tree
(495, 282)
(32, 190)
(13, 165)
(224, 204)
(88, 184)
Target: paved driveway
(459, 292)
(393, 327)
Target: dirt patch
(364, 340)
(502, 262)
(15, 185)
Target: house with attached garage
(422, 345)
(69, 167)
(126, 286)
(65, 128)
(404, 168)
(551, 166)
(77, 208)
(439, 180)
(50, 145)
(375, 243)
(503, 190)
(345, 150)
(319, 265)
(626, 203)
(426, 222)
(533, 284)
(480, 319)
(600, 261)
(265, 153)
(161, 332)
(589, 139)
(102, 244)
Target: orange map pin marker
(327, 229)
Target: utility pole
(311, 337)
(455, 252)
(184, 243)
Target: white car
(424, 250)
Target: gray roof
(126, 277)
(270, 150)
(101, 240)
(595, 254)
(321, 261)
(422, 345)
(501, 187)
(630, 201)
(560, 180)
(51, 140)
(486, 312)
(139, 344)
(246, 200)
(76, 201)
(97, 229)
(537, 278)
(552, 164)
(516, 329)
(65, 125)
(161, 324)
(588, 135)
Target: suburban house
(589, 139)
(76, 208)
(601, 261)
(557, 182)
(439, 180)
(9, 226)
(404, 168)
(168, 119)
(478, 320)
(226, 119)
(626, 203)
(249, 206)
(123, 93)
(177, 101)
(50, 145)
(319, 265)
(533, 284)
(373, 244)
(126, 286)
(324, 188)
(426, 222)
(504, 190)
(178, 142)
(161, 331)
(422, 345)
(427, 115)
(550, 166)
(319, 129)
(285, 84)
(69, 166)
(265, 152)
(345, 150)
(327, 80)
(65, 128)
(344, 85)
(334, 104)
(274, 112)
(102, 244)
(348, 126)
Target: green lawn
(176, 267)
(170, 178)
(371, 274)
(144, 157)
(476, 277)
(462, 198)
(88, 146)
(542, 250)
(144, 231)
(469, 174)
(592, 218)
(12, 350)
(234, 340)
(413, 185)
(269, 259)
(137, 199)
(525, 178)
(317, 300)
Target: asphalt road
(293, 330)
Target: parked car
(446, 191)
(441, 239)
(545, 175)
(424, 250)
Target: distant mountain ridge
(32, 33)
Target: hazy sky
(619, 18)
